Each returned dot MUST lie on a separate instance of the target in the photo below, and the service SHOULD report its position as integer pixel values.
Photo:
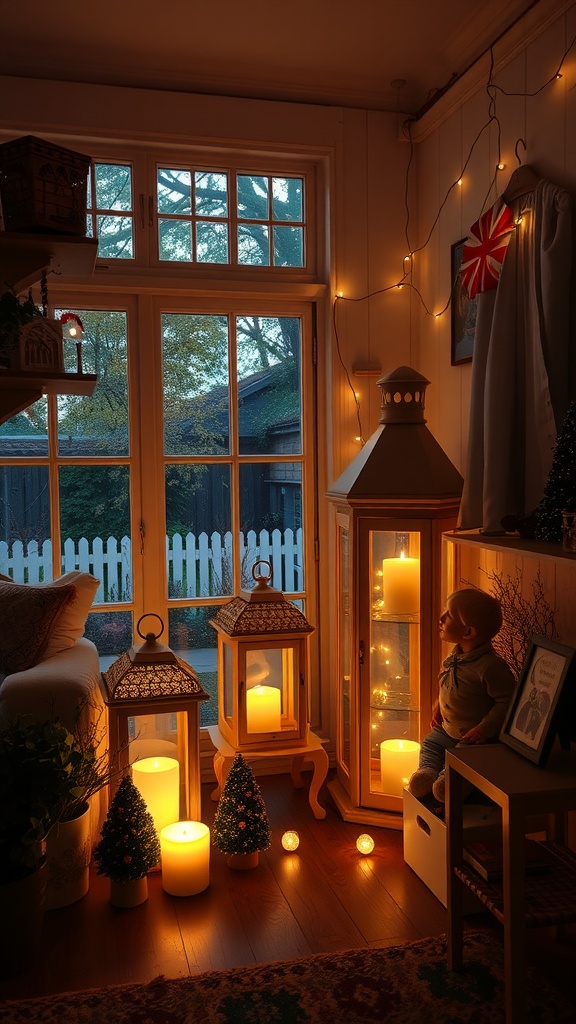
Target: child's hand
(473, 736)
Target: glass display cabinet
(392, 506)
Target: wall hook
(516, 149)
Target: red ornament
(485, 248)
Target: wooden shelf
(19, 389)
(23, 257)
(509, 542)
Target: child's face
(451, 629)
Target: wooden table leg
(321, 764)
(455, 888)
(513, 885)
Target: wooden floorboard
(325, 897)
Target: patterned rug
(408, 984)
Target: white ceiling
(343, 52)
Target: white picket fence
(198, 566)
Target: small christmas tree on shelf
(241, 827)
(129, 845)
(560, 491)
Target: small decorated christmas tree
(560, 491)
(129, 844)
(241, 824)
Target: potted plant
(86, 769)
(129, 846)
(32, 755)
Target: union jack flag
(485, 248)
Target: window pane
(254, 245)
(198, 523)
(95, 526)
(253, 192)
(269, 386)
(98, 424)
(288, 247)
(25, 549)
(175, 240)
(192, 638)
(115, 237)
(26, 434)
(271, 517)
(196, 401)
(113, 187)
(174, 189)
(212, 242)
(111, 632)
(211, 193)
(287, 199)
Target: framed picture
(463, 311)
(532, 720)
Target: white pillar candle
(158, 779)
(401, 586)
(185, 847)
(263, 709)
(398, 761)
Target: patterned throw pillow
(27, 616)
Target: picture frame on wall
(532, 721)
(463, 310)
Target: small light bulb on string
(459, 182)
(500, 167)
(290, 841)
(365, 844)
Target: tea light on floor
(263, 709)
(158, 779)
(290, 841)
(364, 844)
(185, 847)
(398, 761)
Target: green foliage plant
(14, 313)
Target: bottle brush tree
(129, 844)
(560, 491)
(241, 823)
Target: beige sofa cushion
(40, 620)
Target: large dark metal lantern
(153, 699)
(392, 505)
(262, 668)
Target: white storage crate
(425, 843)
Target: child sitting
(475, 687)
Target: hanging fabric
(524, 364)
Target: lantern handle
(147, 615)
(261, 578)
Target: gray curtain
(524, 363)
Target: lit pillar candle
(185, 847)
(263, 709)
(158, 779)
(398, 761)
(401, 586)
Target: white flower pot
(68, 852)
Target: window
(194, 456)
(202, 216)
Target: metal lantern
(392, 506)
(153, 699)
(262, 668)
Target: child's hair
(478, 609)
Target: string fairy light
(408, 263)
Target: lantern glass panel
(394, 654)
(228, 689)
(271, 689)
(162, 736)
(345, 644)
